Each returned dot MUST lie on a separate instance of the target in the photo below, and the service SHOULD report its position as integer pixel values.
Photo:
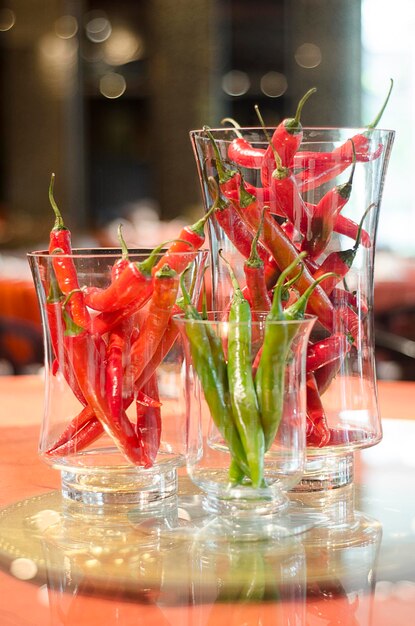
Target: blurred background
(104, 94)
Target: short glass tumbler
(246, 411)
(323, 199)
(113, 361)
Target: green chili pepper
(210, 366)
(269, 381)
(241, 383)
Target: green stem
(59, 225)
(236, 126)
(293, 125)
(379, 115)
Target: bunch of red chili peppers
(286, 226)
(108, 346)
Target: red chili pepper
(61, 250)
(342, 156)
(241, 151)
(120, 265)
(231, 222)
(340, 297)
(114, 368)
(345, 226)
(86, 361)
(148, 425)
(320, 228)
(320, 433)
(157, 318)
(326, 374)
(327, 350)
(190, 236)
(134, 284)
(340, 261)
(54, 302)
(286, 140)
(285, 253)
(254, 270)
(83, 430)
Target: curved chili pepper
(133, 284)
(157, 317)
(120, 265)
(148, 425)
(285, 253)
(286, 140)
(86, 362)
(240, 151)
(327, 350)
(211, 370)
(347, 227)
(321, 225)
(114, 368)
(60, 250)
(235, 228)
(192, 236)
(241, 384)
(83, 430)
(254, 270)
(340, 297)
(54, 302)
(341, 261)
(319, 433)
(342, 156)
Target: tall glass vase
(323, 200)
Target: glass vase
(322, 199)
(246, 422)
(112, 422)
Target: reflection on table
(61, 567)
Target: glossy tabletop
(358, 570)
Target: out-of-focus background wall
(104, 93)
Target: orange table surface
(386, 475)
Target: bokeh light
(7, 19)
(308, 55)
(66, 26)
(97, 26)
(236, 83)
(274, 84)
(123, 46)
(112, 85)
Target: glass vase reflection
(246, 439)
(112, 422)
(323, 200)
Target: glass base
(107, 487)
(257, 525)
(326, 471)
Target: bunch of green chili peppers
(246, 408)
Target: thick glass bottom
(326, 471)
(145, 489)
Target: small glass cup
(112, 425)
(224, 451)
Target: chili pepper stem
(298, 308)
(123, 245)
(277, 311)
(235, 125)
(280, 171)
(224, 175)
(254, 260)
(59, 225)
(294, 125)
(376, 121)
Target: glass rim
(323, 129)
(181, 318)
(105, 252)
